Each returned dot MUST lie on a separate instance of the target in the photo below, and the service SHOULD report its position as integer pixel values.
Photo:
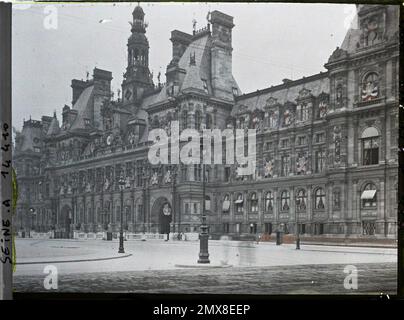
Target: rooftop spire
(138, 24)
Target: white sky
(270, 42)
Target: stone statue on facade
(167, 177)
(154, 179)
(88, 187)
(301, 165)
(322, 109)
(268, 169)
(107, 184)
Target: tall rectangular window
(319, 161)
(320, 137)
(227, 174)
(370, 151)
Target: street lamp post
(297, 232)
(121, 187)
(204, 236)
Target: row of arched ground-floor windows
(368, 199)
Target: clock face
(109, 140)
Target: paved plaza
(242, 267)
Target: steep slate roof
(84, 107)
(351, 39)
(54, 128)
(154, 98)
(29, 133)
(195, 73)
(286, 92)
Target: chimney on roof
(221, 54)
(78, 87)
(180, 41)
(286, 80)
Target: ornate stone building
(326, 144)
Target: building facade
(326, 156)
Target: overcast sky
(270, 42)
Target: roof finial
(194, 22)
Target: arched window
(239, 203)
(370, 86)
(136, 55)
(254, 202)
(198, 120)
(269, 201)
(184, 119)
(370, 146)
(301, 200)
(285, 200)
(369, 196)
(319, 199)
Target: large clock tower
(137, 78)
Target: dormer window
(205, 85)
(235, 91)
(302, 112)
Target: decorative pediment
(271, 102)
(242, 109)
(323, 96)
(304, 94)
(338, 54)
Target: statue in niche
(62, 189)
(287, 117)
(337, 143)
(370, 88)
(167, 177)
(256, 121)
(339, 98)
(127, 182)
(301, 164)
(268, 169)
(132, 138)
(154, 179)
(322, 107)
(107, 184)
(69, 189)
(88, 187)
(83, 183)
(166, 209)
